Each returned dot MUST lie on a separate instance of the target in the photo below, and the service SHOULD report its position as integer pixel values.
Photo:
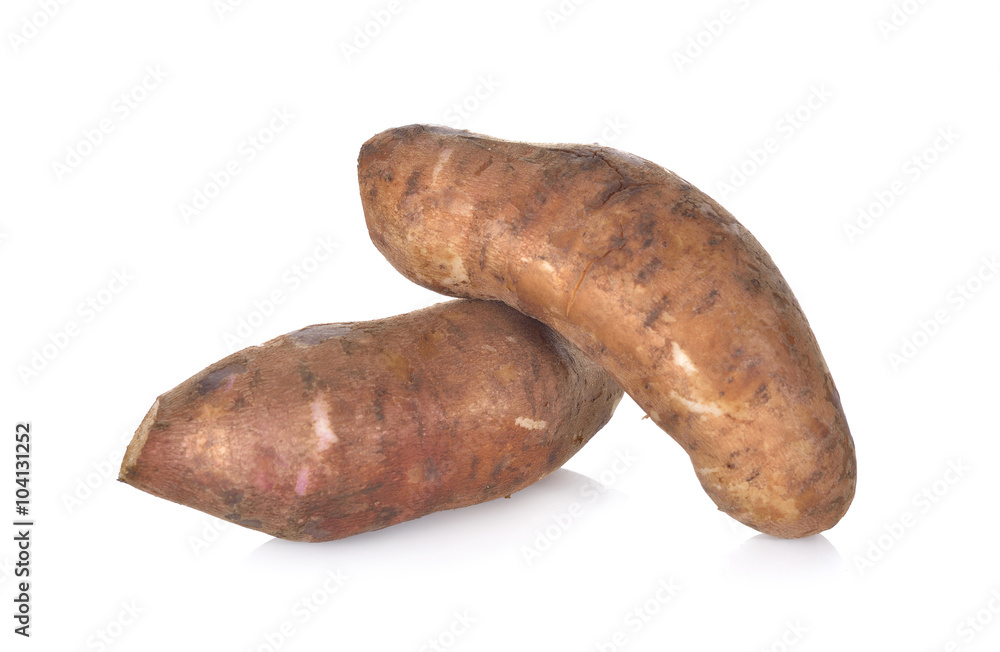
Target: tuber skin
(338, 429)
(652, 279)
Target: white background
(913, 560)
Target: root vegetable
(337, 429)
(652, 279)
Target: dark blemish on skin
(685, 208)
(647, 225)
(536, 372)
(313, 335)
(751, 285)
(215, 379)
(430, 471)
(498, 468)
(761, 396)
(238, 519)
(306, 375)
(680, 209)
(377, 404)
(313, 529)
(387, 515)
(707, 303)
(412, 183)
(813, 479)
(347, 497)
(648, 269)
(483, 167)
(753, 476)
(232, 497)
(657, 310)
(713, 241)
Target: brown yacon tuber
(652, 279)
(337, 429)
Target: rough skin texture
(652, 279)
(338, 429)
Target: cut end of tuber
(138, 442)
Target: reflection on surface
(556, 507)
(768, 559)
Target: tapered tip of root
(135, 447)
